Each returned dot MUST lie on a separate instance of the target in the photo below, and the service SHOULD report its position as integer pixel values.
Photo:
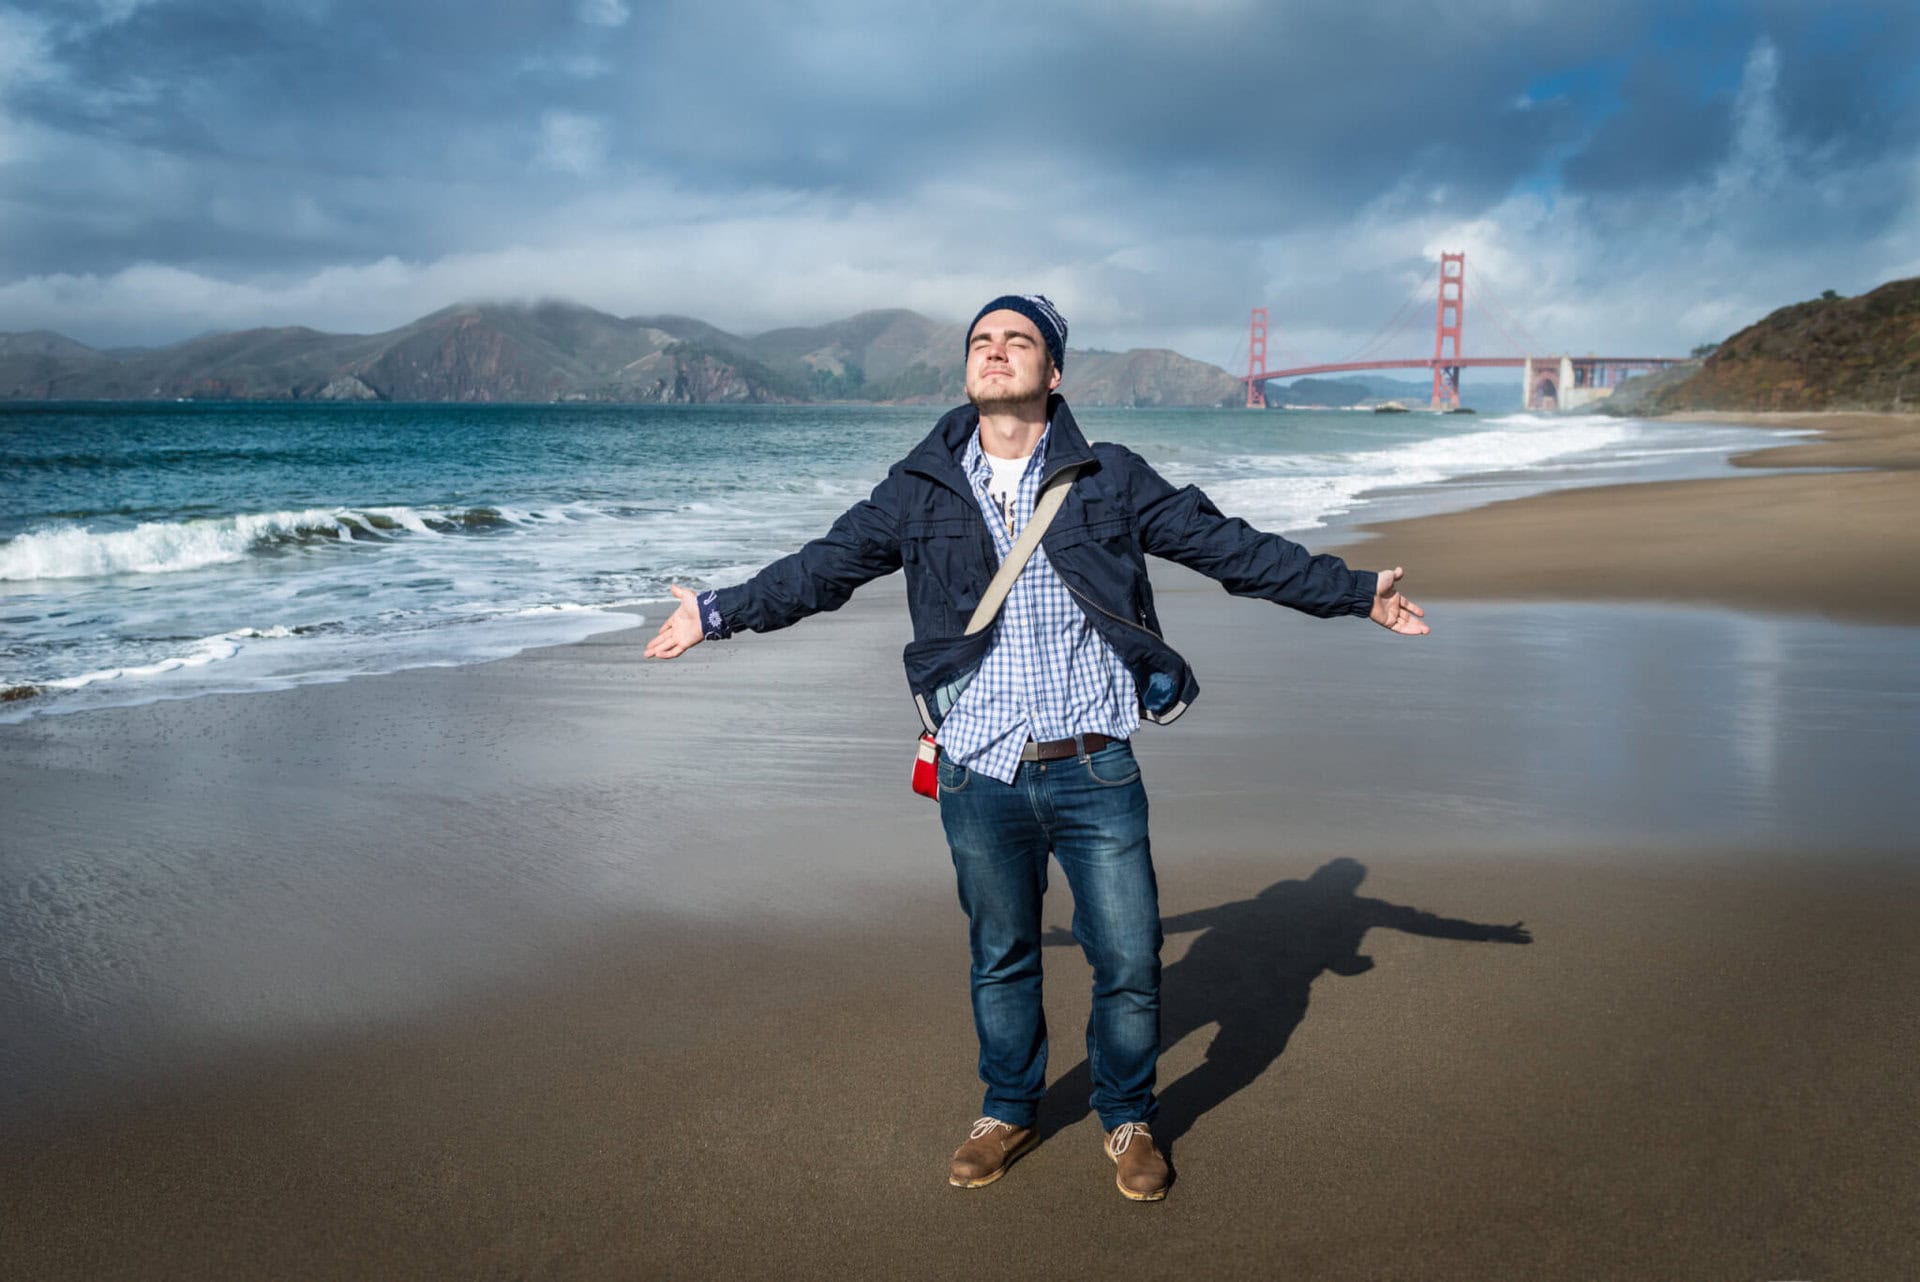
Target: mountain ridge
(556, 350)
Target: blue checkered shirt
(1047, 674)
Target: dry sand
(1842, 545)
(576, 966)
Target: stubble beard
(1001, 395)
(990, 404)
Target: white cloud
(112, 11)
(24, 49)
(1758, 160)
(576, 66)
(572, 143)
(604, 13)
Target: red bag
(926, 768)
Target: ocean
(161, 551)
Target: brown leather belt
(1061, 749)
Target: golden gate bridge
(1548, 382)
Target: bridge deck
(1461, 362)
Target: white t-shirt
(1003, 487)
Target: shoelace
(985, 1127)
(1123, 1135)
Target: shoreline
(1840, 542)
(30, 701)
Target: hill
(1859, 353)
(1145, 378)
(561, 351)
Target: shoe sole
(1158, 1195)
(1013, 1155)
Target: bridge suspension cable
(1483, 286)
(1394, 327)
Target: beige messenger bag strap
(1044, 510)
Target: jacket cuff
(1365, 584)
(712, 622)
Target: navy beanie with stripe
(1045, 316)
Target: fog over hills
(562, 351)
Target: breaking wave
(169, 547)
(1298, 492)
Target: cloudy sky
(1622, 180)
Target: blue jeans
(1090, 813)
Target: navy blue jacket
(924, 517)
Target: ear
(1053, 377)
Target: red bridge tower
(1257, 359)
(1446, 325)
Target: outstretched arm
(862, 545)
(681, 632)
(1391, 610)
(1183, 525)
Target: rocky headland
(1829, 353)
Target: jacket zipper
(1095, 605)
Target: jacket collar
(938, 456)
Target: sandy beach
(573, 965)
(1841, 544)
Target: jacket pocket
(1114, 530)
(950, 552)
(938, 670)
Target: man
(1034, 713)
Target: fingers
(672, 641)
(1393, 611)
(1406, 618)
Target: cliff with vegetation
(1148, 378)
(559, 351)
(1831, 353)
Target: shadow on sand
(1250, 972)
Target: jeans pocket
(1113, 766)
(953, 778)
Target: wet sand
(577, 966)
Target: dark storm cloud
(1313, 109)
(1165, 162)
(1666, 131)
(1847, 88)
(1302, 113)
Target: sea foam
(1298, 492)
(71, 551)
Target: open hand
(1394, 612)
(681, 632)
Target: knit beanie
(1045, 316)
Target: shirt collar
(974, 459)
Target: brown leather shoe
(990, 1149)
(1140, 1170)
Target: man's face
(1007, 362)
